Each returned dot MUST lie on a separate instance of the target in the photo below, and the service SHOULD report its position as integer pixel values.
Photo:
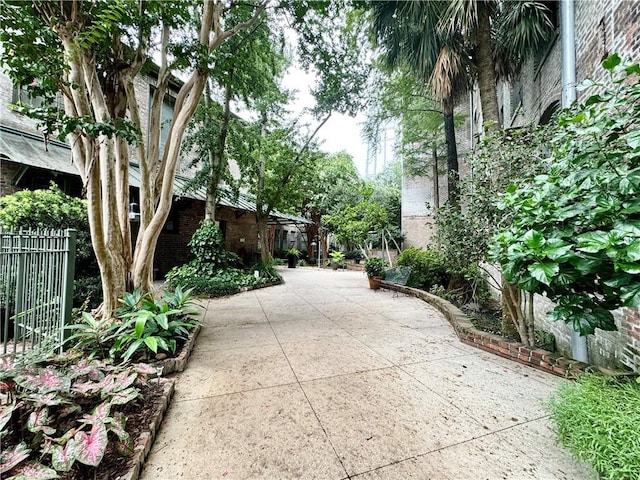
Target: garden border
(467, 333)
(145, 440)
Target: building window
(166, 117)
(23, 96)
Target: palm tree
(499, 36)
(408, 33)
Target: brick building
(601, 28)
(27, 162)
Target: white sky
(341, 132)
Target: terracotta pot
(374, 283)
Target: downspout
(568, 34)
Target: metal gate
(36, 288)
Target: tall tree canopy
(95, 51)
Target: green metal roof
(29, 149)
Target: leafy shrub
(52, 208)
(598, 420)
(353, 255)
(427, 267)
(64, 415)
(211, 272)
(374, 266)
(337, 260)
(207, 246)
(148, 325)
(224, 282)
(575, 234)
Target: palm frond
(522, 29)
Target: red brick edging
(467, 333)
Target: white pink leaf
(62, 458)
(90, 448)
(33, 471)
(11, 457)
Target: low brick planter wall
(467, 333)
(145, 439)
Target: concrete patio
(322, 378)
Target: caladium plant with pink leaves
(69, 412)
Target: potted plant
(293, 254)
(337, 260)
(374, 266)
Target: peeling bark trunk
(217, 157)
(105, 97)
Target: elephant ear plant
(146, 326)
(59, 415)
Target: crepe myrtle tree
(94, 51)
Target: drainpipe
(568, 34)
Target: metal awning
(226, 198)
(29, 149)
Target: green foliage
(575, 231)
(150, 324)
(461, 237)
(598, 420)
(64, 414)
(207, 245)
(146, 325)
(337, 260)
(211, 273)
(427, 267)
(374, 266)
(294, 252)
(52, 208)
(502, 158)
(352, 223)
(225, 282)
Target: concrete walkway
(322, 378)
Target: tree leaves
(575, 232)
(543, 271)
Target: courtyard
(322, 378)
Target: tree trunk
(311, 231)
(436, 181)
(486, 71)
(217, 156)
(452, 151)
(509, 320)
(263, 232)
(523, 321)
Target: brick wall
(417, 191)
(241, 233)
(8, 171)
(618, 350)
